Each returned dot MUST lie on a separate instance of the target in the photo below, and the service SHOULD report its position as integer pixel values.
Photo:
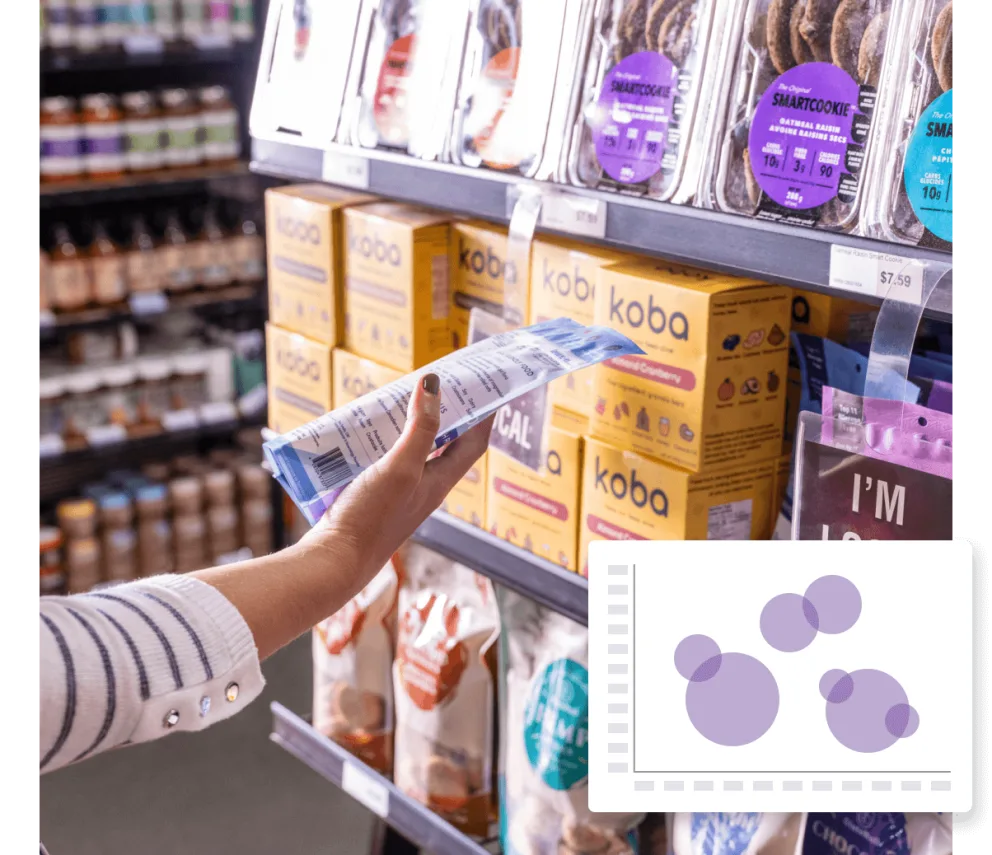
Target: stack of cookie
(664, 26)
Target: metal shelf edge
(410, 818)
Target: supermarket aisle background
(227, 790)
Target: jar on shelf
(212, 257)
(189, 381)
(255, 482)
(76, 517)
(219, 487)
(182, 128)
(143, 273)
(186, 495)
(82, 564)
(52, 571)
(108, 268)
(223, 530)
(221, 126)
(86, 25)
(51, 392)
(165, 20)
(120, 554)
(140, 17)
(176, 264)
(90, 347)
(143, 129)
(151, 501)
(69, 276)
(116, 509)
(113, 22)
(243, 20)
(58, 24)
(218, 23)
(103, 137)
(83, 407)
(256, 521)
(247, 252)
(153, 391)
(194, 19)
(190, 539)
(120, 396)
(61, 141)
(158, 472)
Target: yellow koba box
(299, 378)
(355, 376)
(467, 499)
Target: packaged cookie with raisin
(521, 58)
(310, 54)
(797, 108)
(643, 98)
(352, 671)
(544, 744)
(443, 688)
(408, 76)
(911, 199)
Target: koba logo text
(298, 229)
(616, 484)
(297, 364)
(374, 247)
(632, 313)
(487, 262)
(566, 285)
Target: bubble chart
(867, 710)
(836, 601)
(789, 622)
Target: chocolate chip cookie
(850, 24)
(675, 32)
(801, 52)
(872, 50)
(778, 34)
(657, 12)
(816, 26)
(940, 48)
(753, 188)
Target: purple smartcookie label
(634, 112)
(104, 145)
(60, 148)
(807, 135)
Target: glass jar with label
(52, 571)
(83, 407)
(103, 137)
(51, 391)
(175, 254)
(116, 509)
(61, 141)
(165, 20)
(152, 500)
(120, 396)
(143, 274)
(212, 253)
(58, 24)
(190, 533)
(155, 545)
(113, 22)
(218, 23)
(256, 521)
(222, 132)
(224, 530)
(108, 269)
(247, 252)
(76, 517)
(189, 381)
(182, 128)
(120, 554)
(194, 19)
(69, 276)
(255, 482)
(86, 30)
(219, 486)
(82, 564)
(143, 128)
(140, 17)
(153, 391)
(243, 20)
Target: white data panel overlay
(780, 676)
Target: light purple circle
(631, 117)
(694, 651)
(837, 602)
(800, 133)
(836, 686)
(866, 719)
(789, 622)
(708, 670)
(737, 705)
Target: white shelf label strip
(365, 789)
(346, 170)
(876, 274)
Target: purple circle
(869, 718)
(836, 686)
(693, 652)
(800, 133)
(631, 117)
(737, 705)
(902, 720)
(708, 670)
(837, 601)
(789, 622)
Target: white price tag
(51, 445)
(577, 215)
(218, 411)
(148, 303)
(876, 274)
(212, 41)
(362, 787)
(144, 43)
(177, 420)
(348, 170)
(106, 435)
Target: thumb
(423, 421)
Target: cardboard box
(304, 247)
(355, 376)
(539, 511)
(563, 285)
(780, 483)
(299, 378)
(467, 499)
(481, 274)
(626, 496)
(396, 284)
(710, 389)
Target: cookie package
(640, 109)
(512, 103)
(352, 671)
(799, 109)
(444, 689)
(910, 199)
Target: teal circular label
(929, 164)
(556, 725)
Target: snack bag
(829, 833)
(735, 833)
(352, 665)
(443, 688)
(544, 804)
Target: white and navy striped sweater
(138, 661)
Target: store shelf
(140, 56)
(234, 298)
(769, 251)
(62, 474)
(416, 823)
(171, 182)
(539, 580)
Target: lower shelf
(416, 823)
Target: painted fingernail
(431, 384)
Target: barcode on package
(331, 468)
(731, 521)
(439, 286)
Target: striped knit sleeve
(138, 661)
